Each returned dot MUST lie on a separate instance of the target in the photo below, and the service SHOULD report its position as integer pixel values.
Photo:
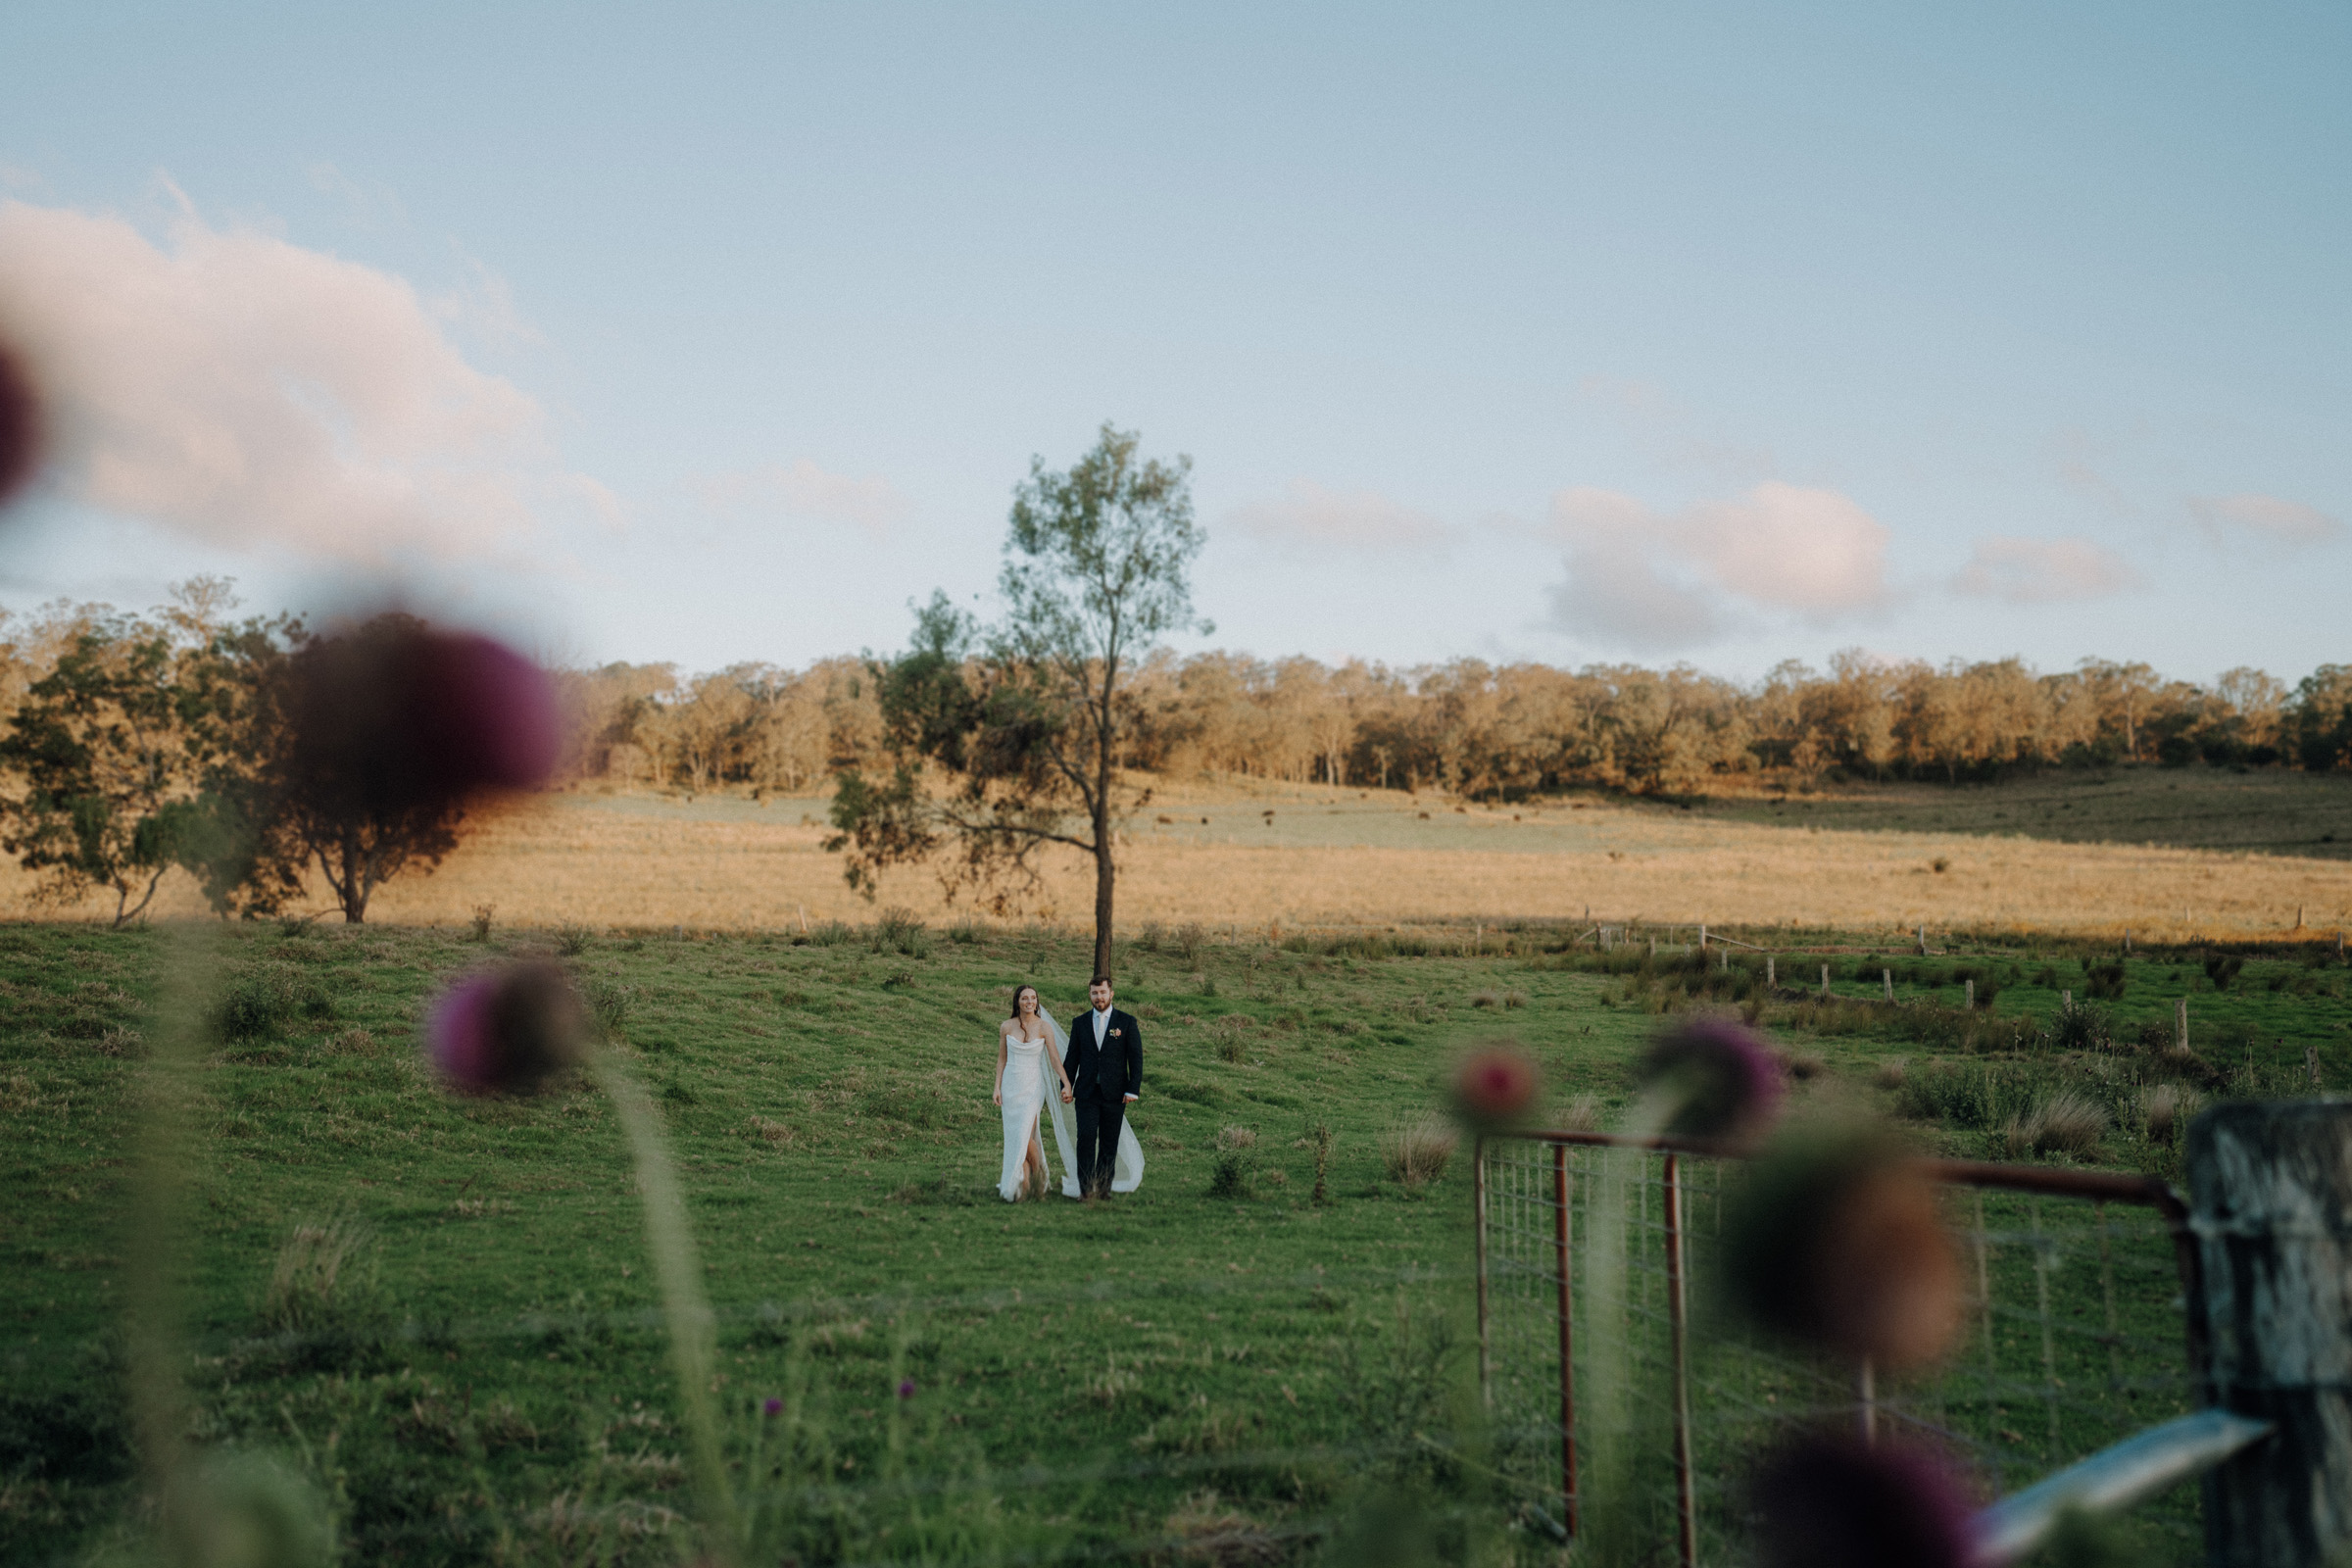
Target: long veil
(1127, 1171)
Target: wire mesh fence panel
(2075, 1338)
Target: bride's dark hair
(1016, 999)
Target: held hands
(1067, 1093)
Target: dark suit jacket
(1115, 1069)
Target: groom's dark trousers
(1104, 1073)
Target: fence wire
(2074, 1338)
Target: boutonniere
(1115, 1033)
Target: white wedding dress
(1030, 1085)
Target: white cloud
(2039, 571)
(1308, 516)
(2262, 518)
(244, 391)
(1656, 581)
(805, 490)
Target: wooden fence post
(1886, 979)
(2271, 1204)
(2181, 1023)
(1770, 964)
(1968, 992)
(1825, 982)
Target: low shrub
(1229, 1175)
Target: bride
(1026, 1043)
(1030, 1049)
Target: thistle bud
(1494, 1085)
(506, 1032)
(22, 425)
(245, 1511)
(1716, 1078)
(1829, 1503)
(1837, 1241)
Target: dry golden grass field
(1318, 856)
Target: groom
(1106, 1065)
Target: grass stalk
(155, 1351)
(685, 1308)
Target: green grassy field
(2268, 811)
(1168, 1373)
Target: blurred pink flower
(1495, 1086)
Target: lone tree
(1009, 740)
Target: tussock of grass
(1416, 1152)
(2062, 1122)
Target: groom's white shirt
(1102, 1021)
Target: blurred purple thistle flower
(771, 1407)
(1495, 1086)
(23, 428)
(907, 1388)
(397, 716)
(1720, 1078)
(1829, 1503)
(508, 1031)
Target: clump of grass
(1515, 999)
(1891, 1073)
(944, 1192)
(1803, 1065)
(1580, 1115)
(1148, 939)
(900, 931)
(830, 934)
(1322, 1140)
(2221, 970)
(964, 932)
(1190, 937)
(2104, 981)
(1416, 1152)
(1236, 1139)
(2062, 1122)
(1486, 998)
(320, 1280)
(2080, 1028)
(2165, 1110)
(1232, 1036)
(572, 940)
(484, 916)
(267, 996)
(611, 1003)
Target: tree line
(1503, 731)
(149, 735)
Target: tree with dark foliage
(102, 747)
(1002, 752)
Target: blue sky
(1725, 335)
